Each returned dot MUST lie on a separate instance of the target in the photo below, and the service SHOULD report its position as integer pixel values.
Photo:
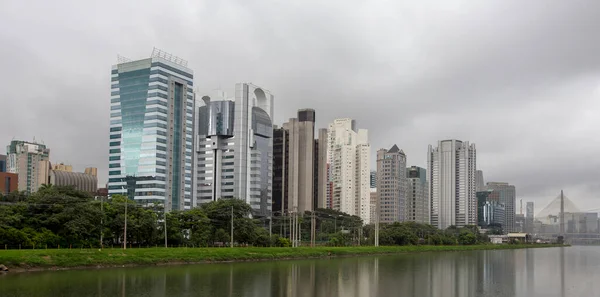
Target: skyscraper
(506, 197)
(373, 179)
(391, 184)
(529, 217)
(30, 161)
(479, 183)
(151, 130)
(298, 163)
(451, 169)
(417, 195)
(349, 167)
(235, 148)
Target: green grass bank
(23, 260)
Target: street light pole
(125, 232)
(165, 222)
(101, 223)
(232, 226)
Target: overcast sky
(520, 79)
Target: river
(547, 272)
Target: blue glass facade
(151, 132)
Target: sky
(520, 79)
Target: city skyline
(427, 92)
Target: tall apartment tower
(417, 196)
(297, 175)
(151, 131)
(31, 162)
(391, 184)
(507, 197)
(348, 161)
(234, 149)
(451, 170)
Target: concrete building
(80, 181)
(391, 184)
(234, 150)
(151, 131)
(348, 159)
(299, 165)
(9, 182)
(529, 217)
(507, 197)
(62, 167)
(479, 182)
(30, 161)
(451, 170)
(373, 206)
(91, 171)
(373, 179)
(417, 196)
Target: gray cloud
(520, 79)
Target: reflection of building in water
(496, 268)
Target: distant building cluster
(26, 167)
(173, 146)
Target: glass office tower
(151, 131)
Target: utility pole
(270, 228)
(312, 229)
(232, 226)
(125, 232)
(165, 222)
(101, 223)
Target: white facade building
(234, 151)
(348, 159)
(451, 170)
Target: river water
(547, 272)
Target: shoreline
(19, 261)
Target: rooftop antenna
(121, 59)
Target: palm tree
(46, 187)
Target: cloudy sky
(521, 79)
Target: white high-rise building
(391, 184)
(348, 158)
(451, 170)
(234, 151)
(30, 161)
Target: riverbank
(34, 260)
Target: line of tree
(64, 217)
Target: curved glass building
(151, 131)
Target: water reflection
(531, 272)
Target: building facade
(348, 162)
(451, 170)
(9, 182)
(62, 167)
(490, 211)
(80, 181)
(234, 150)
(298, 160)
(373, 179)
(30, 162)
(91, 171)
(417, 195)
(151, 131)
(479, 182)
(506, 197)
(373, 206)
(391, 184)
(529, 217)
